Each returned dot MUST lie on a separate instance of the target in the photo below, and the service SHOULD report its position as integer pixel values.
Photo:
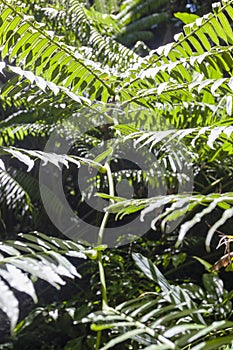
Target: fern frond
(32, 47)
(130, 11)
(22, 80)
(28, 158)
(180, 205)
(139, 30)
(216, 137)
(13, 195)
(151, 319)
(92, 27)
(35, 255)
(198, 62)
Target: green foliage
(173, 318)
(179, 206)
(38, 256)
(67, 59)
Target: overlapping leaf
(151, 320)
(25, 42)
(35, 255)
(198, 62)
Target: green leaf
(186, 17)
(212, 344)
(40, 269)
(205, 263)
(104, 155)
(18, 280)
(176, 330)
(151, 271)
(9, 304)
(21, 157)
(214, 285)
(122, 338)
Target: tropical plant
(173, 318)
(63, 71)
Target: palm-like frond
(186, 84)
(43, 90)
(151, 319)
(183, 69)
(36, 255)
(197, 64)
(180, 205)
(95, 31)
(204, 139)
(13, 195)
(34, 48)
(131, 11)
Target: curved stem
(100, 255)
(100, 240)
(106, 215)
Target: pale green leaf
(185, 17)
(9, 304)
(18, 280)
(122, 338)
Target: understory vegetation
(116, 174)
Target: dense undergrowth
(140, 141)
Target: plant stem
(106, 215)
(103, 282)
(100, 240)
(100, 255)
(98, 338)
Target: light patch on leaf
(9, 304)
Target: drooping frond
(175, 104)
(207, 138)
(177, 207)
(13, 195)
(31, 47)
(35, 255)
(93, 30)
(42, 92)
(198, 63)
(132, 10)
(151, 319)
